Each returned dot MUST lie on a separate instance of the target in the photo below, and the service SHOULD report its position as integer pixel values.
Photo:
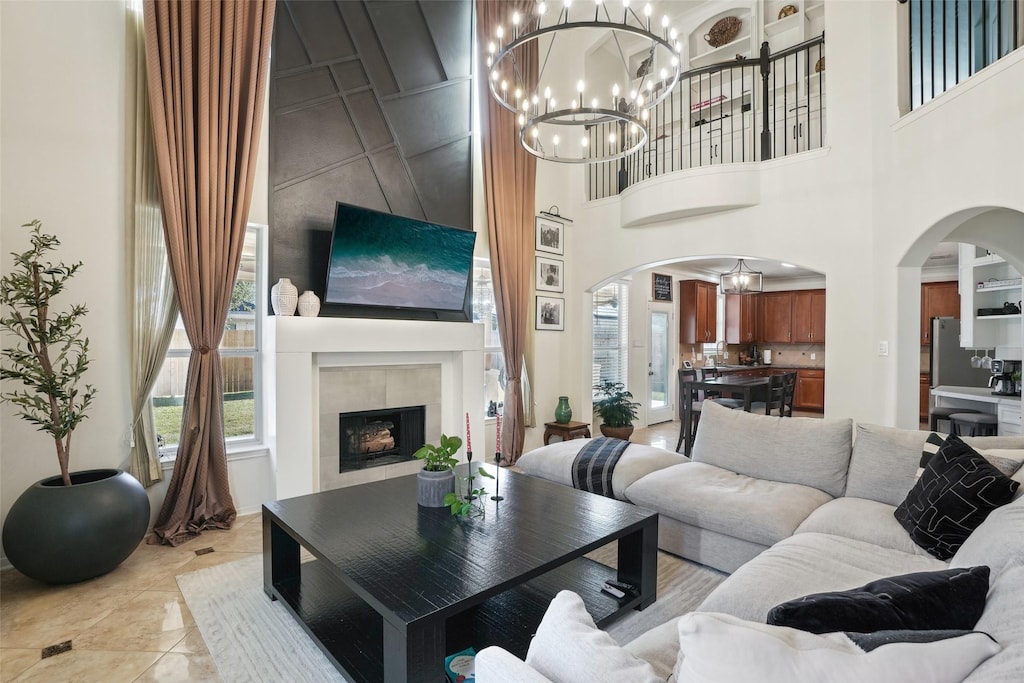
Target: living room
(865, 210)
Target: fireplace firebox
(371, 438)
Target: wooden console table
(569, 430)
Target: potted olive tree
(77, 525)
(437, 478)
(616, 408)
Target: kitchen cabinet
(987, 281)
(1010, 422)
(925, 396)
(698, 311)
(938, 299)
(777, 312)
(810, 390)
(741, 319)
(808, 316)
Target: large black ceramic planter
(64, 534)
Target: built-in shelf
(815, 11)
(1011, 316)
(982, 290)
(721, 54)
(774, 28)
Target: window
(485, 311)
(611, 333)
(240, 361)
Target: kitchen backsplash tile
(783, 355)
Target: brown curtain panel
(510, 176)
(207, 63)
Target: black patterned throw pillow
(953, 496)
(931, 446)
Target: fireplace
(372, 438)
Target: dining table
(725, 386)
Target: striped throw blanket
(592, 469)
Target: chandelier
(741, 280)
(594, 123)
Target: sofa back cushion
(998, 542)
(810, 451)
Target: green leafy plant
(50, 355)
(463, 504)
(614, 404)
(442, 457)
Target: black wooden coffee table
(394, 587)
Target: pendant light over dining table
(741, 280)
(596, 121)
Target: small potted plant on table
(437, 478)
(616, 408)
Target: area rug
(252, 638)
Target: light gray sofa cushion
(810, 451)
(554, 462)
(862, 520)
(717, 499)
(808, 563)
(1003, 619)
(998, 542)
(720, 551)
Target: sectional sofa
(795, 506)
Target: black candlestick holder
(469, 480)
(497, 461)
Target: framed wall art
(549, 274)
(661, 286)
(550, 313)
(550, 236)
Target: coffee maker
(1002, 383)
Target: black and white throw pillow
(953, 496)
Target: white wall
(62, 150)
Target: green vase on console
(563, 413)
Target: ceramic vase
(309, 304)
(563, 413)
(284, 297)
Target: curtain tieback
(204, 349)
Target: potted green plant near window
(77, 525)
(616, 408)
(437, 478)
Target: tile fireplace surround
(315, 365)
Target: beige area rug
(252, 638)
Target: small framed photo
(550, 313)
(662, 287)
(549, 236)
(549, 274)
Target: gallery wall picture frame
(550, 313)
(661, 287)
(550, 237)
(550, 274)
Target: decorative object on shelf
(309, 304)
(595, 122)
(741, 280)
(787, 11)
(819, 65)
(77, 525)
(739, 57)
(723, 31)
(563, 413)
(284, 297)
(550, 313)
(616, 408)
(437, 478)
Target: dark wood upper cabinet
(808, 316)
(938, 299)
(741, 319)
(697, 311)
(777, 309)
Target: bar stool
(980, 424)
(937, 413)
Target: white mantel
(296, 348)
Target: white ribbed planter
(309, 304)
(284, 296)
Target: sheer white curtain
(151, 304)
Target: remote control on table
(614, 592)
(621, 585)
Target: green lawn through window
(238, 420)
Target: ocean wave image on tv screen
(376, 262)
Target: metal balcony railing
(731, 112)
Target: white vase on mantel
(309, 304)
(284, 296)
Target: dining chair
(775, 397)
(690, 402)
(716, 396)
(788, 392)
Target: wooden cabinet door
(817, 316)
(688, 312)
(698, 315)
(938, 299)
(740, 318)
(925, 393)
(707, 313)
(778, 314)
(810, 390)
(809, 316)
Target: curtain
(207, 66)
(510, 175)
(151, 303)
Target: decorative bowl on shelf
(723, 31)
(787, 11)
(819, 65)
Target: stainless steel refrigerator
(949, 364)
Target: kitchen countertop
(979, 394)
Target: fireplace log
(371, 438)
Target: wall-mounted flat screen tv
(381, 260)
